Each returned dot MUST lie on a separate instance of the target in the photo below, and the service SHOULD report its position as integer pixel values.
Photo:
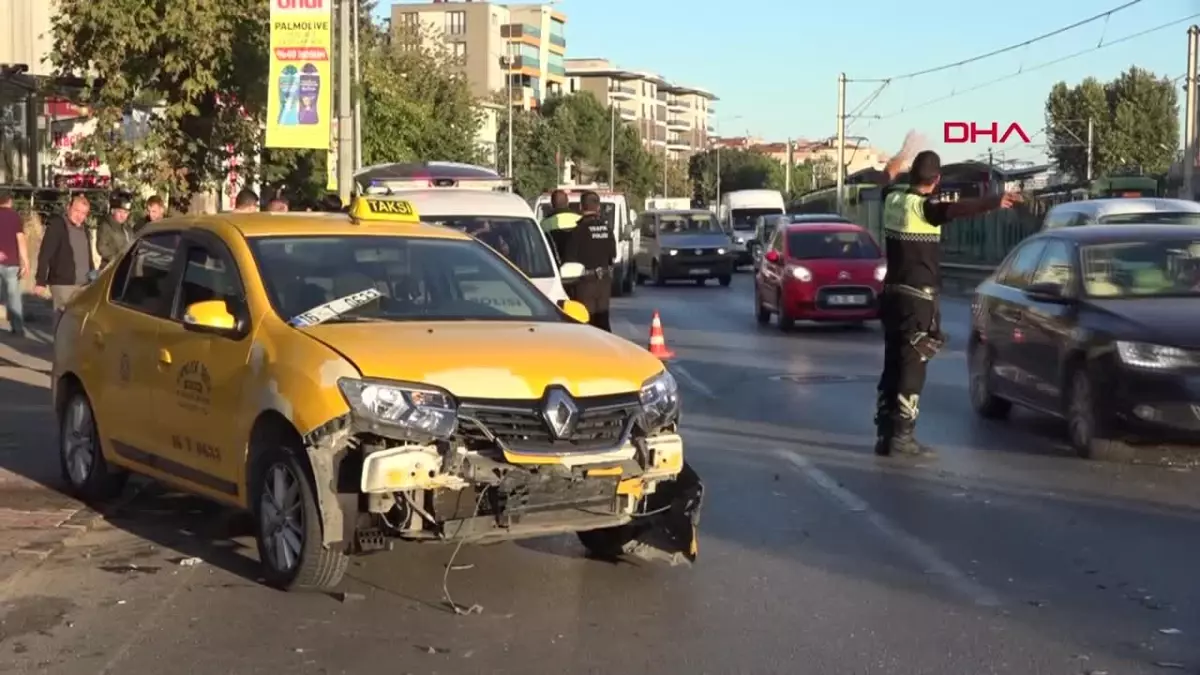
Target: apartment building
(512, 50)
(671, 118)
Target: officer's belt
(923, 292)
(597, 272)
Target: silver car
(1115, 211)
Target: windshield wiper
(334, 308)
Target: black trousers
(594, 292)
(904, 317)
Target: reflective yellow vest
(904, 218)
(560, 221)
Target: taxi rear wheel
(81, 458)
(288, 525)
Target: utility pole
(787, 169)
(508, 76)
(345, 164)
(612, 146)
(841, 142)
(1091, 142)
(1191, 116)
(666, 159)
(357, 94)
(991, 171)
(717, 197)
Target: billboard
(301, 76)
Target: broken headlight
(401, 406)
(660, 401)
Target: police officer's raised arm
(940, 213)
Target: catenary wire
(1004, 50)
(1046, 64)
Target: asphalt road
(1003, 555)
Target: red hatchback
(820, 272)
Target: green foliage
(196, 61)
(534, 148)
(1135, 124)
(739, 170)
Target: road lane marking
(691, 380)
(933, 563)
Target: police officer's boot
(904, 441)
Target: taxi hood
(490, 359)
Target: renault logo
(843, 275)
(560, 412)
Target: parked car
(1116, 211)
(820, 272)
(687, 244)
(1097, 325)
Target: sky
(774, 63)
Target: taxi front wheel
(80, 457)
(288, 526)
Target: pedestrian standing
(246, 202)
(912, 230)
(116, 232)
(65, 259)
(155, 210)
(14, 262)
(559, 219)
(590, 243)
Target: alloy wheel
(281, 517)
(79, 443)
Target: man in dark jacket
(560, 219)
(591, 243)
(65, 259)
(116, 232)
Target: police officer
(912, 230)
(561, 218)
(590, 243)
(115, 233)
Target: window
(556, 28)
(142, 280)
(419, 279)
(1152, 218)
(460, 50)
(529, 52)
(518, 239)
(646, 223)
(1022, 264)
(777, 241)
(207, 276)
(1132, 269)
(691, 223)
(846, 245)
(1056, 266)
(456, 23)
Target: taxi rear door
(199, 411)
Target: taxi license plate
(698, 271)
(847, 300)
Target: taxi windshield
(518, 239)
(690, 223)
(417, 279)
(1142, 269)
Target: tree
(203, 65)
(1134, 124)
(534, 147)
(739, 170)
(679, 183)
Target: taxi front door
(200, 411)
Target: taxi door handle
(164, 357)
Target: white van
(616, 212)
(501, 220)
(739, 211)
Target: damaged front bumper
(640, 499)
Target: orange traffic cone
(658, 343)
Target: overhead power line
(997, 52)
(1039, 66)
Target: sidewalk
(35, 516)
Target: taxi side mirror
(210, 316)
(570, 271)
(576, 310)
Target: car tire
(81, 457)
(725, 280)
(656, 274)
(1087, 425)
(762, 314)
(979, 373)
(298, 562)
(786, 321)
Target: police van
(620, 219)
(477, 201)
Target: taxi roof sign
(383, 210)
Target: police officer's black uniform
(590, 243)
(912, 229)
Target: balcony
(556, 69)
(679, 124)
(678, 105)
(621, 91)
(519, 62)
(513, 31)
(558, 41)
(678, 143)
(626, 113)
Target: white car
(1139, 210)
(501, 220)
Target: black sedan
(1097, 325)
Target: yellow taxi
(353, 379)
